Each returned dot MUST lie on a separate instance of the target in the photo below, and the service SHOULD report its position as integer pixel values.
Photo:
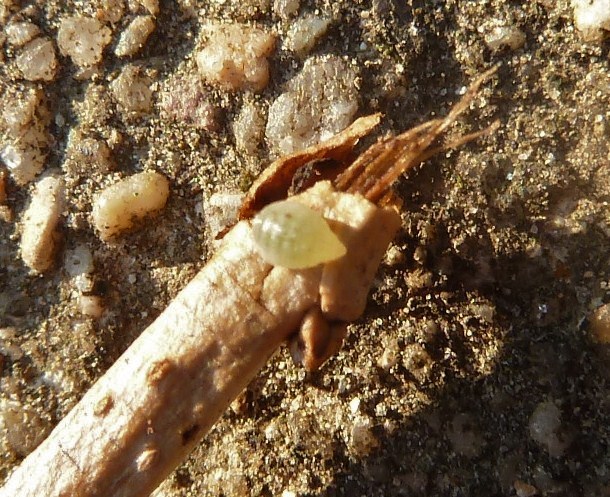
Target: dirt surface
(473, 371)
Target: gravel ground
(474, 371)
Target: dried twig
(143, 417)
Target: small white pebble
(600, 324)
(132, 90)
(111, 11)
(319, 102)
(186, 101)
(91, 305)
(118, 205)
(39, 238)
(271, 431)
(23, 149)
(354, 405)
(284, 9)
(362, 440)
(249, 128)
(23, 428)
(24, 162)
(544, 423)
(19, 33)
(592, 18)
(505, 36)
(78, 260)
(37, 61)
(152, 6)
(134, 36)
(83, 39)
(394, 256)
(20, 111)
(83, 283)
(235, 57)
(523, 489)
(304, 33)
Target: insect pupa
(292, 235)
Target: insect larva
(292, 235)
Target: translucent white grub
(319, 102)
(37, 61)
(83, 39)
(131, 89)
(235, 57)
(294, 236)
(134, 36)
(117, 207)
(19, 33)
(40, 220)
(592, 19)
(304, 33)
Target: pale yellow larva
(292, 235)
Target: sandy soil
(478, 321)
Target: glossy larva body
(294, 236)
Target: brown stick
(143, 417)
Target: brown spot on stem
(189, 434)
(159, 370)
(103, 406)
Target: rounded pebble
(235, 57)
(134, 36)
(83, 39)
(592, 19)
(39, 238)
(320, 101)
(133, 198)
(37, 61)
